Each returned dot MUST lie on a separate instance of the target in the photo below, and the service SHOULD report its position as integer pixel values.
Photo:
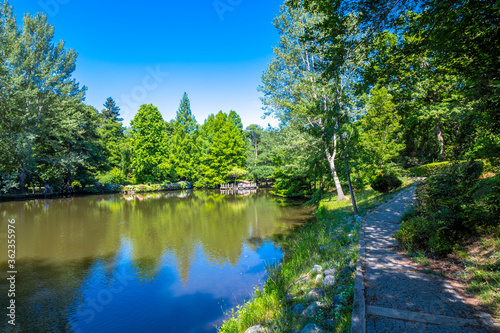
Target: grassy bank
(329, 240)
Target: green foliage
(236, 173)
(427, 169)
(184, 150)
(76, 184)
(385, 182)
(115, 176)
(452, 206)
(149, 145)
(379, 131)
(46, 133)
(224, 147)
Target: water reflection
(165, 261)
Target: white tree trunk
(331, 163)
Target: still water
(162, 262)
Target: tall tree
(379, 131)
(111, 131)
(225, 148)
(298, 93)
(36, 74)
(111, 111)
(149, 145)
(184, 153)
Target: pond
(160, 262)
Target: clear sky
(152, 51)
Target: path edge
(358, 320)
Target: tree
(184, 154)
(379, 131)
(111, 111)
(236, 173)
(149, 145)
(35, 78)
(225, 148)
(111, 131)
(298, 93)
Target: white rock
(328, 282)
(317, 269)
(256, 329)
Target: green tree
(297, 92)
(111, 131)
(149, 145)
(379, 131)
(184, 153)
(111, 111)
(35, 80)
(225, 149)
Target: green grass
(329, 240)
(482, 269)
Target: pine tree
(184, 154)
(111, 111)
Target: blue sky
(152, 51)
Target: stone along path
(392, 294)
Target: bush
(115, 176)
(447, 210)
(385, 183)
(76, 185)
(427, 170)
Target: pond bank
(313, 287)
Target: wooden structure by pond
(244, 184)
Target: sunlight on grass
(331, 241)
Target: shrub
(427, 169)
(115, 176)
(76, 185)
(385, 183)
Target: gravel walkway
(391, 292)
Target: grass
(481, 271)
(329, 240)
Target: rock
(313, 328)
(317, 269)
(319, 278)
(312, 310)
(256, 329)
(330, 271)
(315, 294)
(328, 282)
(297, 310)
(330, 323)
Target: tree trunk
(353, 198)
(331, 162)
(439, 134)
(22, 180)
